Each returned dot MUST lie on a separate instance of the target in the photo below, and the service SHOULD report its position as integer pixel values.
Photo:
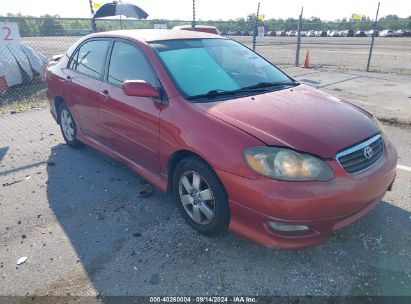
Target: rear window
(89, 58)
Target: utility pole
(193, 23)
(255, 27)
(373, 38)
(93, 21)
(297, 53)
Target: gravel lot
(77, 216)
(391, 55)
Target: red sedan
(242, 146)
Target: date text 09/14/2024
(203, 299)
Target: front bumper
(322, 206)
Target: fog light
(278, 227)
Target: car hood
(302, 118)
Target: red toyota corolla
(242, 146)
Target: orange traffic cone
(307, 60)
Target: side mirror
(139, 88)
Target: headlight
(288, 165)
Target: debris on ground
(137, 234)
(146, 191)
(21, 260)
(12, 183)
(51, 163)
(100, 215)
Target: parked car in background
(321, 34)
(291, 33)
(303, 34)
(311, 33)
(246, 33)
(399, 33)
(360, 34)
(271, 33)
(255, 153)
(348, 33)
(386, 33)
(198, 28)
(371, 32)
(402, 33)
(232, 33)
(332, 33)
(281, 33)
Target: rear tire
(201, 197)
(68, 127)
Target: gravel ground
(78, 218)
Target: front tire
(68, 127)
(201, 197)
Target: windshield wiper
(210, 94)
(219, 92)
(259, 87)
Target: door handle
(104, 94)
(68, 77)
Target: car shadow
(130, 245)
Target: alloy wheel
(67, 125)
(197, 197)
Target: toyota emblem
(368, 152)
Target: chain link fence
(342, 45)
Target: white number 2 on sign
(9, 33)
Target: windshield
(217, 67)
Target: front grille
(354, 159)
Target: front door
(130, 125)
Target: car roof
(188, 26)
(150, 35)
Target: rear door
(130, 125)
(84, 77)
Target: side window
(127, 62)
(73, 62)
(89, 58)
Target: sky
(217, 9)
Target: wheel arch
(176, 157)
(58, 100)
